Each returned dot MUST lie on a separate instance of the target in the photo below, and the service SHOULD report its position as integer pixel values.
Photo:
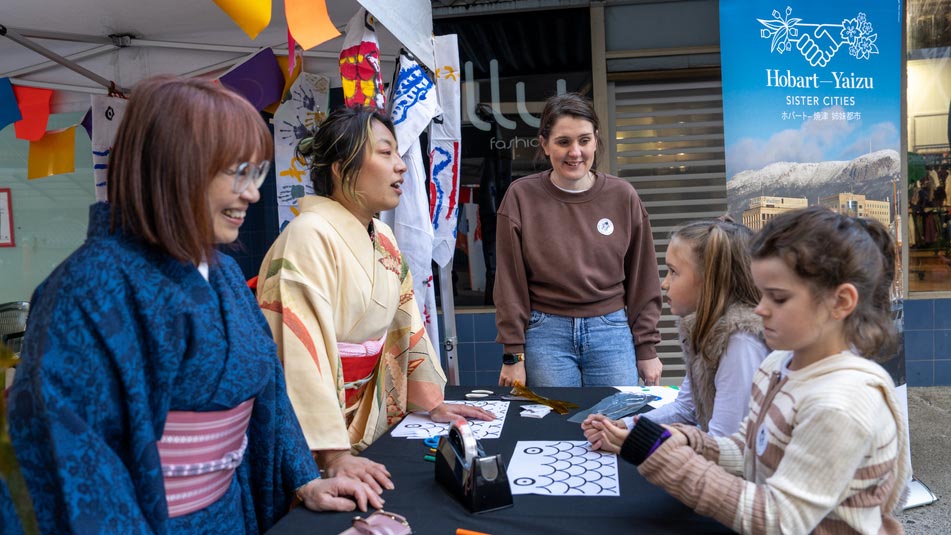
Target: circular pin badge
(606, 227)
(762, 440)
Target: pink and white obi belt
(200, 452)
(359, 363)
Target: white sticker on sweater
(761, 440)
(606, 227)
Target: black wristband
(642, 440)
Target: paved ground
(929, 415)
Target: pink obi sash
(358, 362)
(200, 452)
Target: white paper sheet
(418, 425)
(562, 468)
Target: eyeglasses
(247, 173)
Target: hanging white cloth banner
(304, 106)
(445, 136)
(414, 106)
(410, 22)
(107, 113)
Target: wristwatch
(512, 358)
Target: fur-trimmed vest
(702, 368)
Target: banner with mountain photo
(812, 111)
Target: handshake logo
(818, 43)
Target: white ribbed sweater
(823, 450)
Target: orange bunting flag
(34, 105)
(309, 22)
(251, 16)
(54, 154)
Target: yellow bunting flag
(252, 16)
(309, 22)
(289, 79)
(53, 154)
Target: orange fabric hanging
(34, 105)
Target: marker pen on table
(460, 531)
(430, 458)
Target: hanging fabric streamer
(34, 104)
(258, 79)
(309, 22)
(9, 110)
(445, 140)
(53, 154)
(360, 72)
(251, 16)
(107, 113)
(414, 106)
(303, 109)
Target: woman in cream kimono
(339, 299)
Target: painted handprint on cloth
(818, 43)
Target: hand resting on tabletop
(372, 474)
(338, 494)
(450, 412)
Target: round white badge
(606, 227)
(762, 440)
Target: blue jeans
(564, 351)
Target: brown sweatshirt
(575, 254)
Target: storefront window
(929, 161)
(510, 66)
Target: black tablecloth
(431, 510)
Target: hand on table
(604, 433)
(650, 371)
(450, 412)
(511, 373)
(339, 494)
(371, 473)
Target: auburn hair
(176, 135)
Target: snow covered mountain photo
(870, 175)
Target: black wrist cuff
(641, 441)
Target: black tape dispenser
(477, 480)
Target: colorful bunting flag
(309, 22)
(289, 74)
(34, 103)
(53, 154)
(251, 16)
(258, 79)
(9, 111)
(360, 73)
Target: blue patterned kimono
(119, 335)
(9, 522)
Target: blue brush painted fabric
(119, 335)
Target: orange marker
(460, 531)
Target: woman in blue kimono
(145, 350)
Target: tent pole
(60, 87)
(49, 54)
(448, 322)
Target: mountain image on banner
(870, 175)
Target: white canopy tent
(81, 47)
(124, 43)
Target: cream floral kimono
(325, 282)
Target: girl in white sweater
(823, 449)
